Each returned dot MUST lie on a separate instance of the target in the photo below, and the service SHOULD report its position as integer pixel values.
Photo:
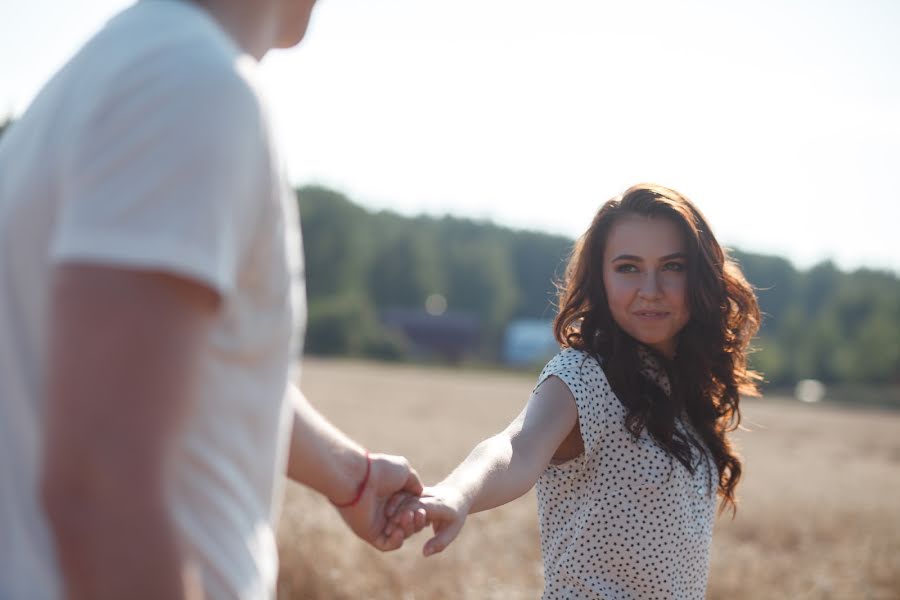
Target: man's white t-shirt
(151, 150)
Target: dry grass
(819, 514)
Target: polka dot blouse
(624, 520)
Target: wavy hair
(709, 372)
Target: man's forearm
(320, 455)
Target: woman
(626, 432)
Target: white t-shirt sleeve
(163, 175)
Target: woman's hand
(444, 508)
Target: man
(150, 302)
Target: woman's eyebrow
(674, 255)
(635, 258)
(631, 257)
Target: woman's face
(645, 278)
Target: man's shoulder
(162, 51)
(156, 66)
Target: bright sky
(779, 118)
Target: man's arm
(123, 353)
(325, 459)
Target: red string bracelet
(361, 488)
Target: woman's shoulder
(583, 375)
(569, 360)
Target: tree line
(359, 264)
(820, 323)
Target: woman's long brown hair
(709, 372)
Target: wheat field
(819, 513)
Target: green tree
(776, 282)
(345, 325)
(337, 243)
(538, 260)
(481, 281)
(405, 270)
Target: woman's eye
(673, 266)
(626, 268)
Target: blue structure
(529, 342)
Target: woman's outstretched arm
(499, 469)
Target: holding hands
(367, 514)
(358, 483)
(498, 470)
(442, 507)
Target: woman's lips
(651, 315)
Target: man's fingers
(409, 523)
(404, 521)
(394, 502)
(420, 519)
(386, 543)
(396, 540)
(409, 507)
(413, 484)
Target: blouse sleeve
(593, 395)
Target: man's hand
(322, 457)
(368, 518)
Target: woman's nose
(650, 286)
